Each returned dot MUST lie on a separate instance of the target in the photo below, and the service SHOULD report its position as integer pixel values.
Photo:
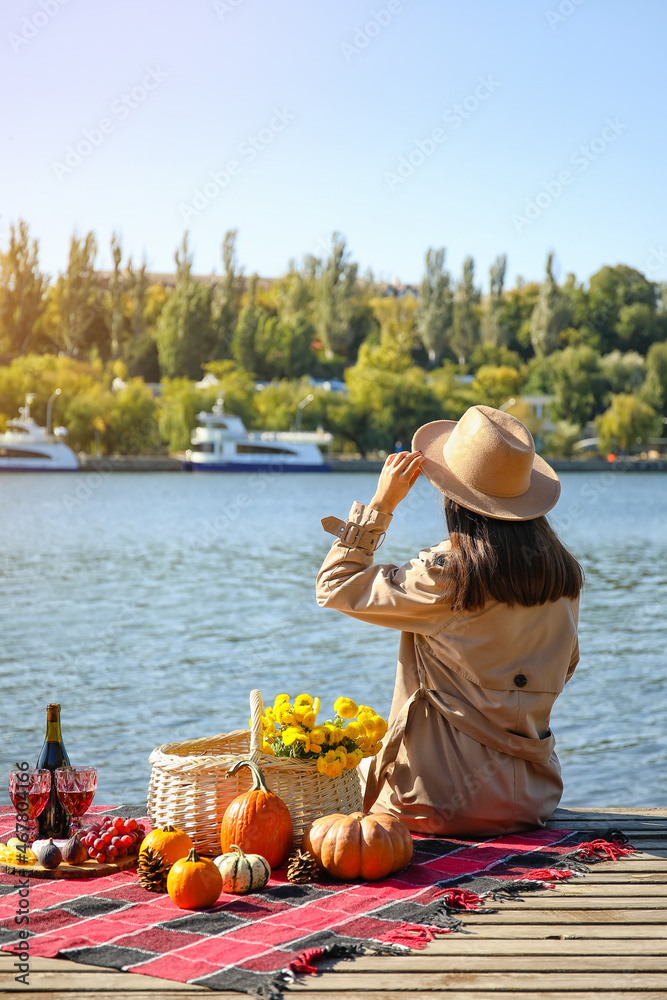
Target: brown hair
(513, 562)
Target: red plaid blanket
(253, 943)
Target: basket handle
(256, 713)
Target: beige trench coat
(469, 751)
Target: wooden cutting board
(89, 869)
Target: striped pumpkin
(242, 872)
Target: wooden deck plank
(569, 915)
(550, 929)
(569, 811)
(602, 937)
(438, 981)
(372, 993)
(503, 963)
(386, 965)
(47, 982)
(589, 901)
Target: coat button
(520, 680)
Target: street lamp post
(49, 409)
(304, 402)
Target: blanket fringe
(304, 964)
(609, 847)
(412, 936)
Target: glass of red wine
(29, 789)
(76, 788)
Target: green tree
(276, 404)
(561, 441)
(116, 289)
(609, 290)
(179, 403)
(396, 316)
(628, 422)
(334, 281)
(185, 322)
(623, 372)
(495, 384)
(226, 303)
(654, 389)
(75, 320)
(88, 411)
(435, 307)
(493, 331)
(515, 315)
(283, 346)
(487, 354)
(237, 388)
(390, 397)
(132, 423)
(465, 335)
(637, 327)
(22, 288)
(577, 383)
(293, 292)
(140, 352)
(551, 315)
(244, 347)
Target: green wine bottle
(54, 820)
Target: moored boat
(27, 447)
(221, 443)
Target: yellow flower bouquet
(290, 729)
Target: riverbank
(170, 463)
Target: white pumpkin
(241, 872)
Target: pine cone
(152, 870)
(302, 867)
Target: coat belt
(467, 720)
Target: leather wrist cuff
(354, 536)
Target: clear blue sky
(550, 89)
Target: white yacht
(221, 443)
(27, 447)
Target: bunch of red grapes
(112, 838)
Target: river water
(149, 605)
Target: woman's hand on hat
(399, 473)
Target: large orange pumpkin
(357, 846)
(257, 821)
(171, 843)
(194, 883)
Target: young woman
(489, 630)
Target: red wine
(77, 803)
(34, 801)
(54, 821)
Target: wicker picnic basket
(189, 786)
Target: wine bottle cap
(52, 712)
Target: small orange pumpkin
(357, 846)
(171, 843)
(194, 883)
(257, 821)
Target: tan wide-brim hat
(486, 462)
